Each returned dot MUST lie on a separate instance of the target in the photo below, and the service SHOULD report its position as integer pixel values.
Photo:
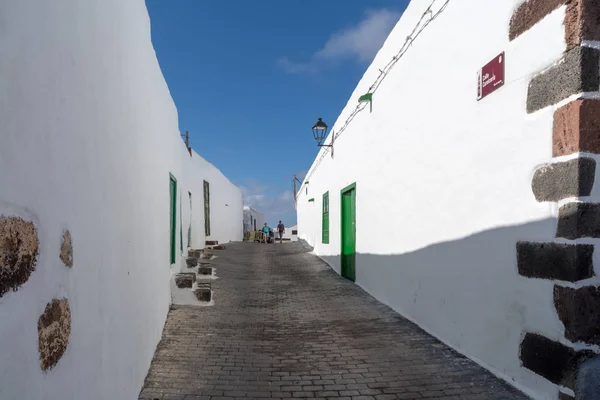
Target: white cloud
(295, 68)
(359, 42)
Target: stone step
(185, 280)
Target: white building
(253, 220)
(90, 145)
(434, 202)
(291, 233)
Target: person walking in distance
(266, 230)
(281, 230)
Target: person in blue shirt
(266, 230)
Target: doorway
(173, 203)
(348, 217)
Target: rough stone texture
(212, 242)
(205, 270)
(195, 253)
(284, 325)
(18, 252)
(579, 220)
(587, 384)
(578, 71)
(582, 22)
(579, 311)
(577, 128)
(203, 294)
(54, 328)
(565, 262)
(66, 249)
(582, 19)
(557, 181)
(191, 262)
(552, 360)
(185, 280)
(219, 247)
(530, 13)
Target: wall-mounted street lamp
(320, 133)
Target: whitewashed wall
(88, 137)
(444, 184)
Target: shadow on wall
(468, 292)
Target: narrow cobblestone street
(284, 325)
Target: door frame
(349, 188)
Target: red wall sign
(491, 77)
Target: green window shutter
(325, 226)
(173, 215)
(206, 208)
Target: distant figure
(266, 230)
(281, 230)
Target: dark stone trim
(579, 220)
(579, 311)
(565, 262)
(529, 14)
(557, 181)
(578, 71)
(552, 360)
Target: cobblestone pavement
(284, 325)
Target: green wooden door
(325, 223)
(173, 202)
(348, 210)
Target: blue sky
(250, 78)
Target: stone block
(191, 262)
(66, 249)
(577, 128)
(212, 242)
(578, 71)
(219, 247)
(579, 311)
(552, 360)
(185, 280)
(205, 270)
(203, 293)
(529, 14)
(579, 220)
(54, 328)
(555, 261)
(18, 252)
(582, 22)
(558, 181)
(196, 253)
